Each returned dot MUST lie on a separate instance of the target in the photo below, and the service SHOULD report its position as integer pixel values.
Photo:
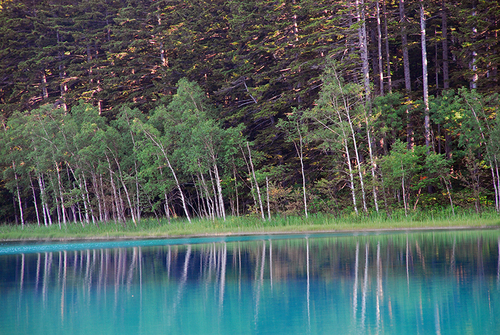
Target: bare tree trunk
(45, 92)
(45, 212)
(406, 58)
(126, 192)
(256, 183)
(35, 202)
(449, 195)
(98, 195)
(250, 178)
(105, 206)
(403, 188)
(363, 45)
(300, 152)
(379, 38)
(115, 196)
(219, 191)
(406, 68)
(160, 146)
(267, 196)
(210, 208)
(473, 65)
(18, 194)
(427, 126)
(59, 182)
(387, 52)
(444, 27)
(236, 190)
(215, 200)
(358, 159)
(87, 197)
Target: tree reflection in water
(433, 282)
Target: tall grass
(253, 224)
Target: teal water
(393, 283)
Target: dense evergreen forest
(117, 110)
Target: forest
(121, 110)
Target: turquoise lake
(432, 282)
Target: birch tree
(295, 129)
(335, 113)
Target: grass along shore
(151, 228)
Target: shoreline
(133, 237)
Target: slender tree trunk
(219, 190)
(165, 193)
(83, 192)
(236, 190)
(349, 165)
(250, 178)
(132, 214)
(62, 76)
(19, 201)
(267, 196)
(355, 145)
(59, 182)
(104, 203)
(56, 197)
(87, 198)
(98, 195)
(43, 199)
(403, 188)
(380, 61)
(404, 39)
(387, 51)
(373, 166)
(436, 68)
(444, 27)
(138, 204)
(167, 210)
(363, 45)
(256, 183)
(473, 65)
(210, 208)
(427, 125)
(449, 195)
(300, 152)
(45, 92)
(406, 68)
(115, 196)
(160, 146)
(35, 202)
(215, 200)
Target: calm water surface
(397, 283)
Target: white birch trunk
(18, 195)
(59, 182)
(43, 199)
(35, 202)
(132, 214)
(219, 191)
(256, 183)
(160, 146)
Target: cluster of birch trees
(65, 166)
(72, 166)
